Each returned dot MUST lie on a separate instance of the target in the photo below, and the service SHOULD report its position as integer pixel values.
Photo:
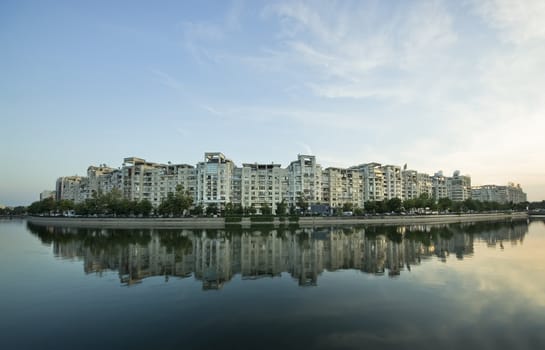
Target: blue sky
(439, 85)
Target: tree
(409, 204)
(176, 204)
(423, 201)
(348, 207)
(393, 205)
(250, 210)
(212, 209)
(358, 211)
(143, 208)
(265, 209)
(197, 210)
(281, 208)
(302, 204)
(444, 204)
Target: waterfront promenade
(304, 221)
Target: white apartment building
(214, 179)
(99, 179)
(342, 186)
(47, 194)
(164, 179)
(262, 185)
(304, 180)
(409, 184)
(373, 181)
(137, 179)
(71, 188)
(501, 194)
(424, 184)
(217, 180)
(459, 187)
(392, 181)
(439, 186)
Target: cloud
(355, 51)
(518, 21)
(211, 109)
(168, 80)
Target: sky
(436, 85)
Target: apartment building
(218, 180)
(392, 181)
(47, 194)
(137, 176)
(72, 188)
(439, 186)
(501, 194)
(459, 187)
(214, 179)
(99, 179)
(262, 185)
(409, 184)
(373, 181)
(342, 186)
(424, 185)
(304, 180)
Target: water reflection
(214, 257)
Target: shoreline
(305, 221)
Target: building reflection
(214, 257)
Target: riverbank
(219, 223)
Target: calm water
(473, 286)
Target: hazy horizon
(436, 85)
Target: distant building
(72, 188)
(47, 194)
(502, 194)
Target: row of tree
(424, 203)
(180, 203)
(111, 203)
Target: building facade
(218, 181)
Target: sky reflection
(323, 291)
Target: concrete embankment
(129, 222)
(219, 223)
(409, 220)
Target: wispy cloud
(168, 80)
(518, 21)
(355, 52)
(211, 109)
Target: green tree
(176, 204)
(197, 210)
(302, 204)
(348, 207)
(265, 209)
(250, 210)
(281, 208)
(143, 208)
(370, 207)
(409, 204)
(393, 205)
(444, 204)
(358, 211)
(212, 209)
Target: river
(450, 286)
